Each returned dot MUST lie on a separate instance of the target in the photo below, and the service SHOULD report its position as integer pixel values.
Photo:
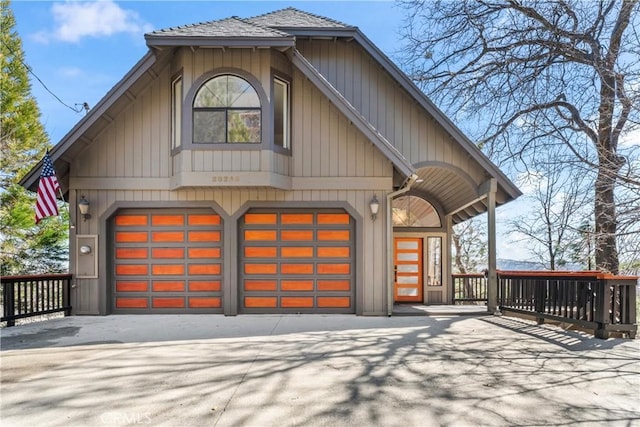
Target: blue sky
(80, 50)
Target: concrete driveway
(314, 370)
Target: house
(274, 164)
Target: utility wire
(82, 106)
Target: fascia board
(175, 41)
(437, 114)
(399, 161)
(319, 32)
(29, 181)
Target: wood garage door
(297, 261)
(167, 261)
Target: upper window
(176, 112)
(281, 127)
(412, 211)
(226, 109)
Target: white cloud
(71, 72)
(75, 20)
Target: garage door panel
(211, 302)
(296, 285)
(204, 252)
(334, 302)
(132, 302)
(175, 302)
(309, 268)
(131, 220)
(167, 262)
(204, 286)
(167, 253)
(260, 302)
(131, 237)
(132, 286)
(167, 220)
(168, 236)
(168, 286)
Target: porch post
(492, 280)
(448, 270)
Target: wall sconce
(85, 250)
(374, 205)
(83, 205)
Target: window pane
(410, 244)
(281, 113)
(413, 211)
(176, 116)
(240, 94)
(410, 256)
(208, 127)
(408, 268)
(408, 292)
(244, 126)
(212, 94)
(434, 275)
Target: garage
(167, 261)
(296, 261)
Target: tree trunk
(606, 223)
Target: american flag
(46, 204)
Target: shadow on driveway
(315, 370)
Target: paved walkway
(314, 371)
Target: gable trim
(398, 160)
(29, 181)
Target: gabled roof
(277, 29)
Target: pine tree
(25, 248)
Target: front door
(407, 260)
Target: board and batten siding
(386, 105)
(89, 296)
(324, 143)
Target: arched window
(412, 211)
(226, 109)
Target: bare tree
(532, 74)
(553, 225)
(469, 246)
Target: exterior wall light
(83, 205)
(374, 205)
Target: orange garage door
(167, 261)
(296, 261)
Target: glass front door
(408, 280)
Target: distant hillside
(514, 264)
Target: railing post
(603, 303)
(8, 302)
(539, 299)
(66, 295)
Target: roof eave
(319, 32)
(212, 42)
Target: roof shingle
(294, 18)
(225, 28)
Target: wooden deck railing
(469, 288)
(27, 296)
(593, 300)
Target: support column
(492, 280)
(448, 270)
